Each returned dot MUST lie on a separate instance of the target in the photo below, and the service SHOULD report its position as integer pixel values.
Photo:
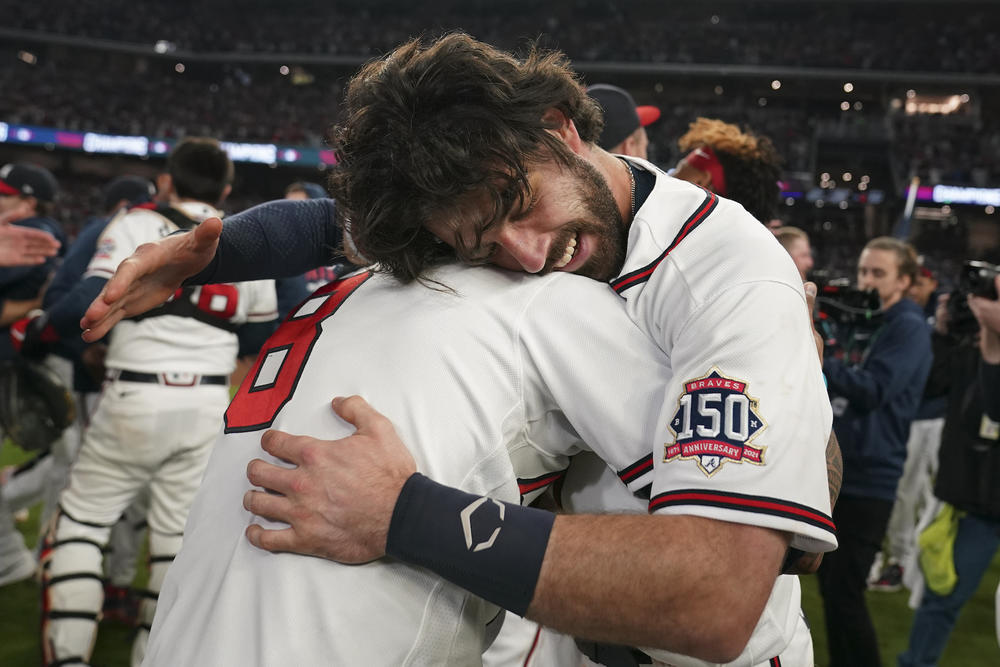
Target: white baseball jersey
(746, 417)
(471, 380)
(172, 342)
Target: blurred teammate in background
(166, 388)
(796, 243)
(42, 478)
(733, 163)
(27, 193)
(625, 122)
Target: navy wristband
(487, 547)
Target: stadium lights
(719, 90)
(775, 85)
(845, 106)
(858, 106)
(27, 57)
(762, 101)
(848, 87)
(179, 68)
(990, 210)
(283, 70)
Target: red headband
(705, 159)
(8, 190)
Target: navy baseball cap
(28, 180)
(133, 189)
(621, 115)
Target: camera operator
(874, 401)
(967, 368)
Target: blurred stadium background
(870, 103)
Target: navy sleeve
(253, 335)
(290, 292)
(75, 263)
(277, 239)
(901, 347)
(64, 315)
(989, 379)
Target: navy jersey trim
(633, 278)
(744, 503)
(636, 470)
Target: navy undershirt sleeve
(277, 239)
(64, 315)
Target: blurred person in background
(874, 402)
(732, 163)
(81, 367)
(796, 243)
(625, 122)
(165, 390)
(967, 370)
(27, 195)
(915, 488)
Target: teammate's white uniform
(746, 411)
(471, 381)
(159, 413)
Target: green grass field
(973, 644)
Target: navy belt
(169, 379)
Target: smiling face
(568, 222)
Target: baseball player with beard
(736, 472)
(160, 408)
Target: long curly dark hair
(446, 129)
(750, 162)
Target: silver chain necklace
(631, 181)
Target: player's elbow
(718, 640)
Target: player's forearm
(274, 240)
(663, 582)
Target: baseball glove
(35, 407)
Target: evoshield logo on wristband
(466, 516)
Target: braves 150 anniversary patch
(715, 421)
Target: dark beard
(604, 222)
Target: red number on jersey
(272, 381)
(219, 300)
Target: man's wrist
(487, 547)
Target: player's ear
(225, 193)
(563, 127)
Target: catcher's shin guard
(72, 589)
(163, 547)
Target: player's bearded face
(571, 223)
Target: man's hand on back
(339, 499)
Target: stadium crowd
(884, 369)
(841, 35)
